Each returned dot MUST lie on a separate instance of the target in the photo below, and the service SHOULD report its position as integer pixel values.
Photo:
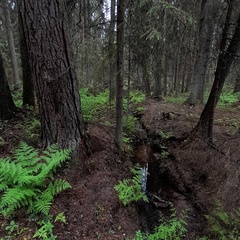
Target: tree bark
(157, 90)
(56, 87)
(11, 45)
(145, 79)
(119, 76)
(112, 84)
(205, 33)
(28, 88)
(7, 106)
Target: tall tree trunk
(237, 84)
(56, 87)
(145, 78)
(11, 45)
(28, 88)
(119, 76)
(205, 33)
(7, 106)
(112, 83)
(204, 127)
(164, 54)
(157, 90)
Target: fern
(130, 189)
(27, 179)
(174, 229)
(224, 225)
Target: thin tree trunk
(146, 84)
(164, 54)
(7, 106)
(157, 90)
(119, 76)
(28, 88)
(11, 45)
(112, 52)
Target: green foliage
(31, 127)
(45, 232)
(11, 228)
(136, 97)
(129, 125)
(27, 179)
(91, 104)
(173, 229)
(130, 190)
(163, 135)
(17, 97)
(164, 152)
(227, 98)
(173, 99)
(224, 225)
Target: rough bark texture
(7, 106)
(53, 74)
(225, 59)
(119, 76)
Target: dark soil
(191, 178)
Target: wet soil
(192, 175)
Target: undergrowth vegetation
(27, 181)
(224, 225)
(92, 105)
(130, 190)
(172, 229)
(227, 97)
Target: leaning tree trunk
(7, 106)
(204, 127)
(55, 83)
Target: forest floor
(193, 175)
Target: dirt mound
(195, 172)
(92, 206)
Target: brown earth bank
(190, 177)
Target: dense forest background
(66, 65)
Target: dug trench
(165, 194)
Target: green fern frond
(43, 205)
(24, 154)
(3, 186)
(60, 185)
(10, 172)
(14, 198)
(23, 180)
(130, 190)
